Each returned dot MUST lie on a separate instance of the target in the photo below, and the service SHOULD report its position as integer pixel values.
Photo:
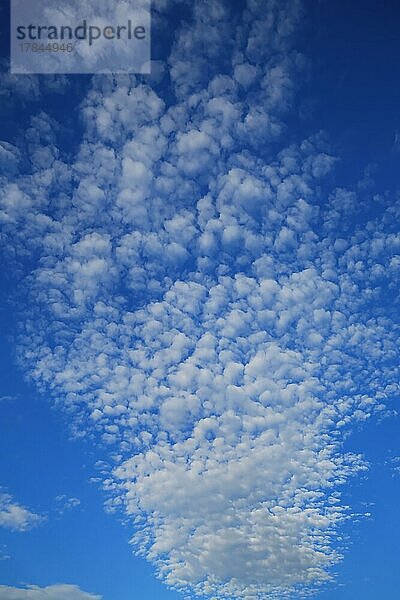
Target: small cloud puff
(65, 503)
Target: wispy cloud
(66, 503)
(4, 554)
(16, 517)
(52, 592)
(7, 398)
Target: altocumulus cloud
(197, 305)
(51, 592)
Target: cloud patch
(16, 517)
(52, 592)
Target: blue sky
(199, 310)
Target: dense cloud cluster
(195, 302)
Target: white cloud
(66, 503)
(52, 592)
(16, 517)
